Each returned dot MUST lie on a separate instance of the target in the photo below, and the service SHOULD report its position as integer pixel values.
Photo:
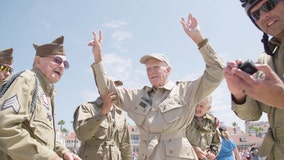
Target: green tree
(61, 123)
(258, 131)
(251, 128)
(235, 125)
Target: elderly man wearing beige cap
(164, 110)
(27, 126)
(6, 61)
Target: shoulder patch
(13, 103)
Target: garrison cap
(6, 56)
(118, 83)
(158, 56)
(53, 48)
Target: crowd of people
(173, 118)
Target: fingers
(97, 39)
(264, 68)
(189, 18)
(110, 97)
(113, 96)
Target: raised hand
(191, 28)
(96, 43)
(108, 101)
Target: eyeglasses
(6, 69)
(59, 61)
(265, 7)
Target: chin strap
(265, 44)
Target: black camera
(213, 148)
(248, 67)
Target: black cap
(222, 128)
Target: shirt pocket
(139, 112)
(42, 124)
(142, 150)
(102, 131)
(172, 109)
(179, 148)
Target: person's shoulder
(26, 74)
(183, 82)
(21, 77)
(264, 58)
(89, 104)
(214, 120)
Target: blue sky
(131, 28)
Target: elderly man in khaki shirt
(203, 133)
(27, 125)
(102, 137)
(164, 110)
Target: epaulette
(6, 86)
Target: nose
(263, 15)
(7, 74)
(62, 65)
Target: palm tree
(251, 128)
(258, 131)
(235, 125)
(61, 123)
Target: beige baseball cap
(158, 56)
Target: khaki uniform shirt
(273, 144)
(204, 133)
(27, 135)
(162, 114)
(102, 137)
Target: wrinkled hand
(71, 156)
(200, 154)
(96, 43)
(192, 29)
(108, 101)
(210, 155)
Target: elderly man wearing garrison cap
(27, 126)
(6, 61)
(162, 111)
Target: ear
(169, 69)
(37, 60)
(209, 107)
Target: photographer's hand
(234, 80)
(268, 90)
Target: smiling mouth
(270, 23)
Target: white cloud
(88, 95)
(121, 35)
(114, 24)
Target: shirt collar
(44, 82)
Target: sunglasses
(59, 61)
(6, 69)
(265, 7)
